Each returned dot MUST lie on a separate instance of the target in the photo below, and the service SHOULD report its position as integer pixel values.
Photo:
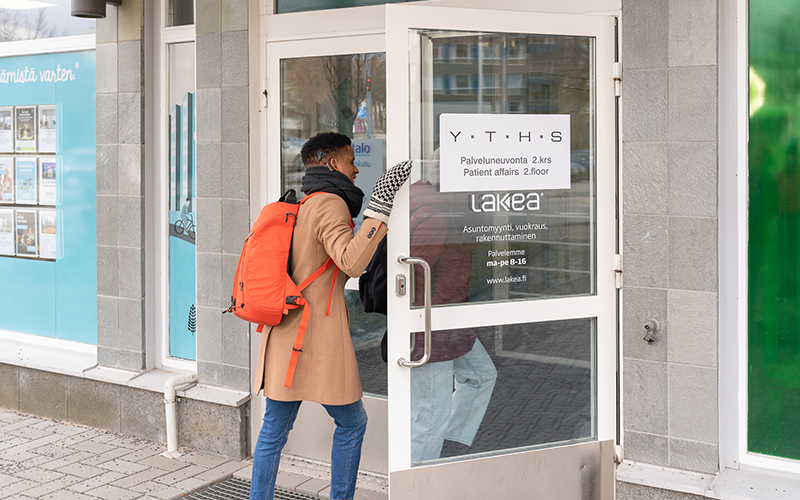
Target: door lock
(400, 285)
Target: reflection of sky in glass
(57, 22)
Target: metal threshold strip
(239, 489)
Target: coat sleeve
(351, 253)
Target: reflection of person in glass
(451, 392)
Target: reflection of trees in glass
(19, 25)
(322, 94)
(774, 229)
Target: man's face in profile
(344, 163)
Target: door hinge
(617, 79)
(618, 271)
(265, 100)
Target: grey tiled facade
(669, 206)
(223, 203)
(223, 356)
(120, 189)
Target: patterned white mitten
(382, 199)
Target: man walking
(327, 371)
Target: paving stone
(67, 430)
(9, 490)
(313, 486)
(96, 481)
(146, 452)
(139, 477)
(16, 454)
(11, 443)
(362, 494)
(53, 486)
(290, 481)
(123, 466)
(67, 495)
(54, 451)
(29, 432)
(107, 456)
(7, 479)
(41, 441)
(180, 475)
(157, 490)
(39, 474)
(6, 416)
(165, 463)
(221, 471)
(79, 438)
(103, 438)
(190, 484)
(93, 447)
(109, 492)
(129, 442)
(20, 423)
(167, 493)
(203, 460)
(80, 470)
(46, 424)
(69, 459)
(33, 462)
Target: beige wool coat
(327, 371)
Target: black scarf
(331, 181)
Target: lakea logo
(504, 202)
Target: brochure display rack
(28, 187)
(48, 193)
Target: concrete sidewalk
(45, 459)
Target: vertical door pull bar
(427, 273)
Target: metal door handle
(427, 273)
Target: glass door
(502, 325)
(332, 84)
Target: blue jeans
(351, 423)
(449, 400)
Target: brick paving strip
(49, 460)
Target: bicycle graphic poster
(182, 229)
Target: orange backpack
(263, 290)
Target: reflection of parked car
(580, 162)
(291, 161)
(290, 150)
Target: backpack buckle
(292, 300)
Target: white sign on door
(504, 152)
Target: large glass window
(182, 202)
(773, 222)
(47, 19)
(180, 12)
(284, 6)
(48, 192)
(345, 94)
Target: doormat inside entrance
(239, 489)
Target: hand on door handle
(427, 273)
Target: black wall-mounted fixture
(91, 9)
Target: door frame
(317, 33)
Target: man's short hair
(323, 146)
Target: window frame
(733, 329)
(158, 344)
